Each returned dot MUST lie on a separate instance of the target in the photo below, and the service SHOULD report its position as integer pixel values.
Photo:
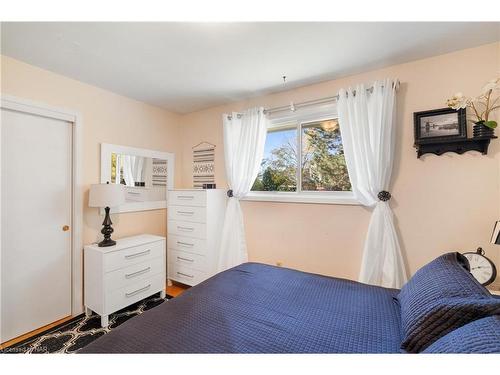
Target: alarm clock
(481, 267)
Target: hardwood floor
(173, 290)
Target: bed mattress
(257, 308)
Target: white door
(36, 186)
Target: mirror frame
(107, 149)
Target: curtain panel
(244, 140)
(367, 124)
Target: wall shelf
(458, 146)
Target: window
(323, 164)
(303, 162)
(278, 171)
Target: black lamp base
(106, 231)
(106, 243)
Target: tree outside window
(318, 164)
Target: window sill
(341, 197)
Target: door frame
(75, 118)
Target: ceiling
(185, 67)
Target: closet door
(36, 188)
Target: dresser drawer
(182, 258)
(184, 274)
(187, 213)
(187, 198)
(192, 245)
(133, 255)
(132, 293)
(187, 229)
(132, 274)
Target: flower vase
(480, 130)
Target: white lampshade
(106, 195)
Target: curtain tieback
(384, 196)
(230, 193)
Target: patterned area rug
(81, 331)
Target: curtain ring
(384, 196)
(230, 193)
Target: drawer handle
(185, 244)
(186, 259)
(184, 274)
(185, 196)
(134, 274)
(188, 213)
(138, 291)
(133, 193)
(137, 254)
(188, 229)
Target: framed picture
(440, 125)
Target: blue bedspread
(256, 308)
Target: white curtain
(138, 169)
(244, 140)
(367, 124)
(128, 170)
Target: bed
(257, 308)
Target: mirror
(129, 170)
(146, 174)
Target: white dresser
(117, 276)
(195, 220)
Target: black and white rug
(80, 331)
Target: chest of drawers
(195, 220)
(120, 275)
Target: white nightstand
(195, 221)
(494, 291)
(494, 288)
(120, 275)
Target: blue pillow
(480, 336)
(441, 297)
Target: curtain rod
(294, 106)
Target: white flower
(458, 101)
(491, 85)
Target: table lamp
(106, 196)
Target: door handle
(138, 291)
(137, 254)
(185, 244)
(65, 228)
(185, 228)
(184, 274)
(134, 274)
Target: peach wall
(441, 203)
(108, 118)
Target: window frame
(319, 197)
